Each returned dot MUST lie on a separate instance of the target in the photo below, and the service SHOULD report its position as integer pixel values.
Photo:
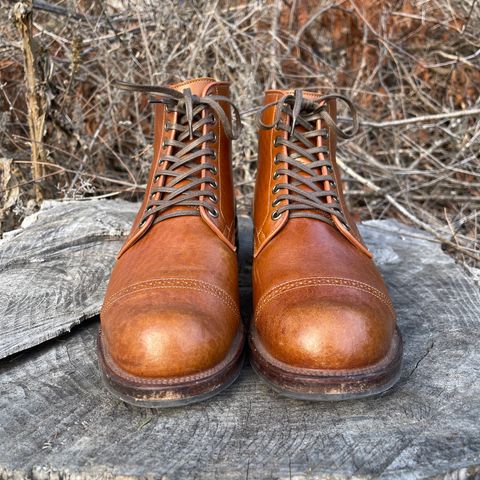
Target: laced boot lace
(182, 171)
(307, 167)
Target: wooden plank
(55, 268)
(57, 420)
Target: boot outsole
(327, 385)
(171, 392)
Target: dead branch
(35, 91)
(423, 118)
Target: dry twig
(36, 100)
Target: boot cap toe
(326, 329)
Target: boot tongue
(198, 86)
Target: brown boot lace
(185, 174)
(306, 194)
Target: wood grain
(57, 421)
(54, 270)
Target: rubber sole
(171, 392)
(327, 385)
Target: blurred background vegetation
(412, 68)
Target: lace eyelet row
(213, 212)
(276, 160)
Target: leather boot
(171, 332)
(324, 326)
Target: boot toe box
(152, 335)
(326, 329)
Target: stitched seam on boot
(172, 283)
(191, 82)
(321, 281)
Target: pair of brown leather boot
(324, 326)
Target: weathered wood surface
(57, 420)
(55, 268)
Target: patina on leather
(171, 310)
(319, 301)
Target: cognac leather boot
(171, 332)
(324, 326)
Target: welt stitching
(171, 283)
(341, 282)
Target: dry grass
(415, 60)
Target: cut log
(57, 421)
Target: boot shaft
(191, 171)
(298, 176)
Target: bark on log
(57, 420)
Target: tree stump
(57, 420)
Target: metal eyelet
(213, 155)
(214, 198)
(276, 175)
(214, 138)
(164, 145)
(156, 178)
(213, 183)
(276, 202)
(275, 189)
(213, 121)
(275, 215)
(213, 170)
(213, 213)
(275, 141)
(168, 126)
(333, 184)
(276, 159)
